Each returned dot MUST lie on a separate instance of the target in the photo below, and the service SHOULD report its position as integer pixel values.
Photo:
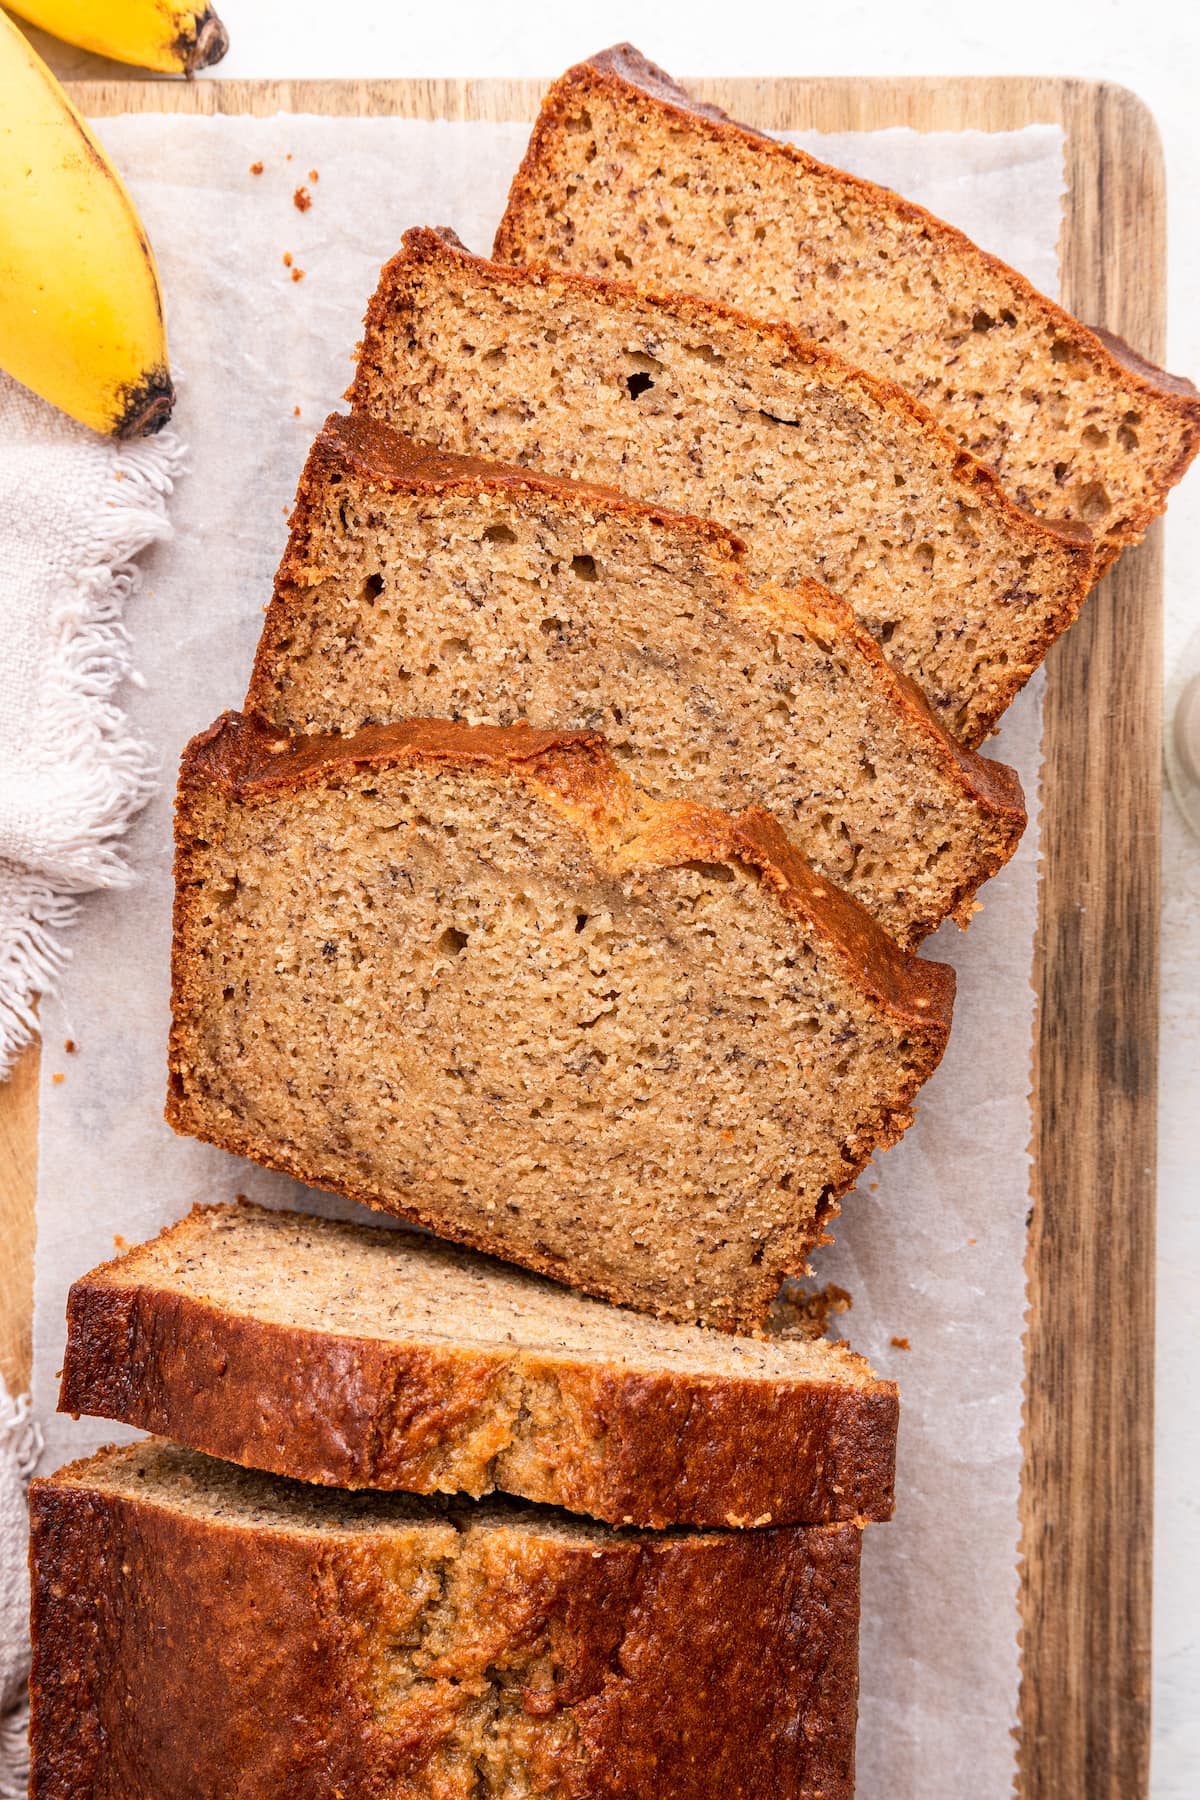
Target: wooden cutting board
(1085, 1695)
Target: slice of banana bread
(202, 1632)
(627, 175)
(472, 976)
(416, 582)
(825, 472)
(367, 1358)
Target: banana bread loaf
(627, 175)
(205, 1633)
(363, 1358)
(416, 582)
(472, 976)
(825, 472)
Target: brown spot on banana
(146, 406)
(202, 43)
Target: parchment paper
(931, 1246)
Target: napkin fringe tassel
(104, 771)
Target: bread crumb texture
(476, 978)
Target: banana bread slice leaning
(354, 1357)
(202, 1631)
(473, 976)
(826, 473)
(417, 582)
(627, 175)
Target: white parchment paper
(932, 1245)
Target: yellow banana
(81, 320)
(155, 34)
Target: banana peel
(171, 38)
(81, 315)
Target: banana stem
(207, 47)
(147, 407)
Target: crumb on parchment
(899, 1343)
(70, 1046)
(798, 1313)
(313, 175)
(57, 1078)
(287, 259)
(256, 168)
(295, 412)
(301, 199)
(297, 274)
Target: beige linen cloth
(75, 509)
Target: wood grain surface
(1086, 1498)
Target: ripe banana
(155, 34)
(81, 320)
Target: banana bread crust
(623, 67)
(1068, 540)
(191, 1657)
(632, 1447)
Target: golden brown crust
(425, 247)
(642, 1447)
(187, 1656)
(622, 67)
(251, 762)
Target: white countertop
(1153, 49)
